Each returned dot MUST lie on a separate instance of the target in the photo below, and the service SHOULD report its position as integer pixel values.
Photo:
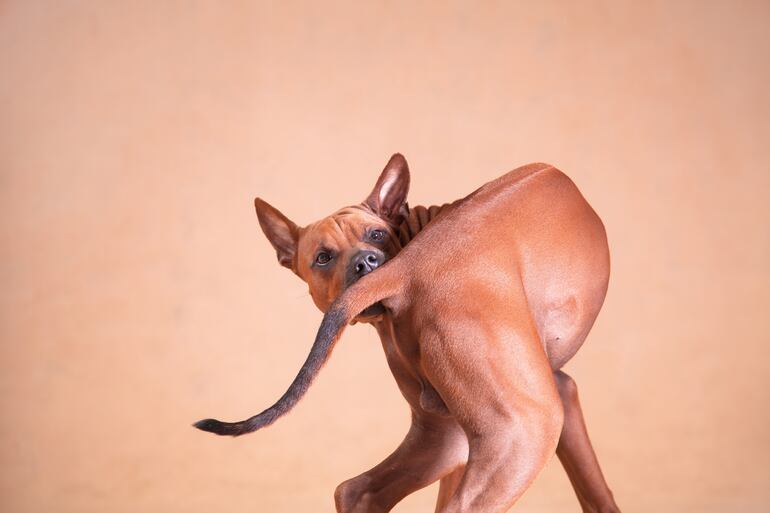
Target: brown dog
(477, 315)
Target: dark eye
(376, 235)
(323, 258)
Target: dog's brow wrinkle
(339, 226)
(345, 228)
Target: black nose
(364, 263)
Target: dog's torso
(526, 239)
(478, 304)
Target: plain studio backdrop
(139, 295)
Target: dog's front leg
(448, 486)
(433, 448)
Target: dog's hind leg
(432, 448)
(577, 456)
(496, 380)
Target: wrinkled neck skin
(416, 219)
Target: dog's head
(331, 254)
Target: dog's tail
(384, 283)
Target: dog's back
(528, 232)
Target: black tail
(368, 290)
(332, 324)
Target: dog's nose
(364, 263)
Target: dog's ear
(279, 230)
(388, 198)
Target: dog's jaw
(371, 314)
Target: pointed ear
(388, 198)
(279, 230)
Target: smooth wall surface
(138, 294)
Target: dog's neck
(416, 219)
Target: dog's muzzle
(362, 263)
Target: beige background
(138, 294)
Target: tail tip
(210, 425)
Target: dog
(478, 304)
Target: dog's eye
(323, 258)
(376, 235)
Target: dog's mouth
(371, 313)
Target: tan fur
(484, 300)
